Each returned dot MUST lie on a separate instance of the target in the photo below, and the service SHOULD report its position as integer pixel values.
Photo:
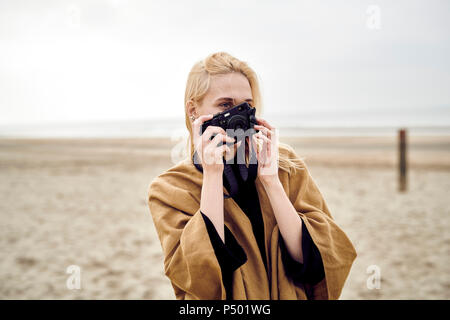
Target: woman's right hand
(210, 152)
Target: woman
(275, 237)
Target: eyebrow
(231, 99)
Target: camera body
(241, 116)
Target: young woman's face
(226, 91)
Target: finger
(210, 131)
(220, 139)
(214, 153)
(272, 135)
(266, 149)
(265, 138)
(256, 145)
(265, 146)
(223, 149)
(265, 130)
(230, 139)
(263, 151)
(198, 122)
(264, 123)
(233, 147)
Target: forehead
(234, 85)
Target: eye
(225, 105)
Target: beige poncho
(189, 258)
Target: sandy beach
(83, 202)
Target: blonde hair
(197, 86)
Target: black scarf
(237, 166)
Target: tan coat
(190, 261)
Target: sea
(380, 122)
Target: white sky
(109, 60)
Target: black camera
(241, 116)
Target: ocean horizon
(424, 121)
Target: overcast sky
(112, 60)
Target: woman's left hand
(267, 152)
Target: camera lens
(237, 122)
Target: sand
(82, 202)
